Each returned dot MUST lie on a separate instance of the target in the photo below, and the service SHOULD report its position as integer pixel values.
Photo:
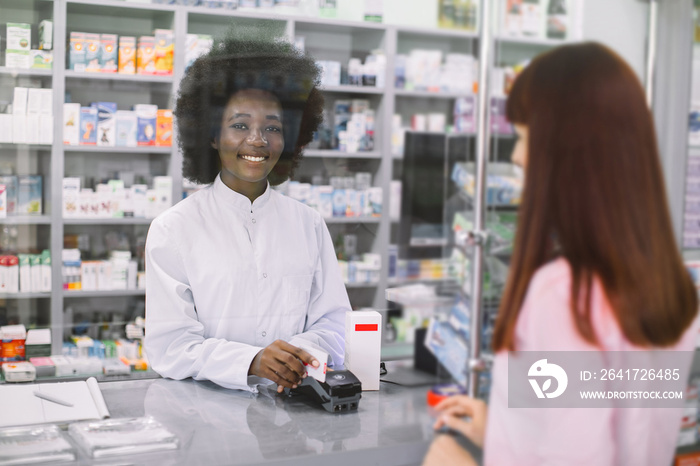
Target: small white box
(6, 128)
(131, 275)
(34, 97)
(25, 274)
(88, 275)
(104, 275)
(71, 197)
(18, 59)
(163, 186)
(64, 365)
(45, 129)
(20, 371)
(32, 133)
(71, 124)
(19, 129)
(19, 36)
(19, 101)
(12, 275)
(139, 200)
(46, 270)
(46, 106)
(363, 345)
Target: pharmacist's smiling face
(251, 140)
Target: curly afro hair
(235, 64)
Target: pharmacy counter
(219, 426)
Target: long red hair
(594, 188)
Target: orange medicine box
(13, 338)
(92, 52)
(127, 55)
(165, 48)
(146, 55)
(164, 128)
(690, 459)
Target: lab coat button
(253, 220)
(264, 275)
(264, 334)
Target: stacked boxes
(353, 126)
(31, 121)
(19, 44)
(101, 124)
(114, 200)
(423, 70)
(196, 45)
(119, 272)
(109, 53)
(344, 197)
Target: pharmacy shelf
(429, 95)
(352, 219)
(102, 294)
(446, 33)
(25, 295)
(25, 72)
(140, 78)
(341, 155)
(543, 42)
(120, 150)
(348, 89)
(362, 285)
(406, 281)
(693, 151)
(7, 145)
(26, 220)
(123, 4)
(107, 221)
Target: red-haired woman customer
(595, 267)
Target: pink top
(569, 436)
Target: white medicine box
(363, 345)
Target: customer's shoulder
(552, 276)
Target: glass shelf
(346, 88)
(120, 150)
(107, 221)
(26, 220)
(141, 78)
(102, 294)
(25, 71)
(352, 219)
(341, 155)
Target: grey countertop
(393, 426)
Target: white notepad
(20, 406)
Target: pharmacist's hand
(445, 451)
(451, 411)
(282, 363)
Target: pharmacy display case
(412, 89)
(78, 176)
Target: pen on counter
(53, 399)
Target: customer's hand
(453, 409)
(445, 451)
(282, 363)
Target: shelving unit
(325, 39)
(102, 294)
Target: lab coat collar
(231, 197)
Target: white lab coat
(225, 278)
